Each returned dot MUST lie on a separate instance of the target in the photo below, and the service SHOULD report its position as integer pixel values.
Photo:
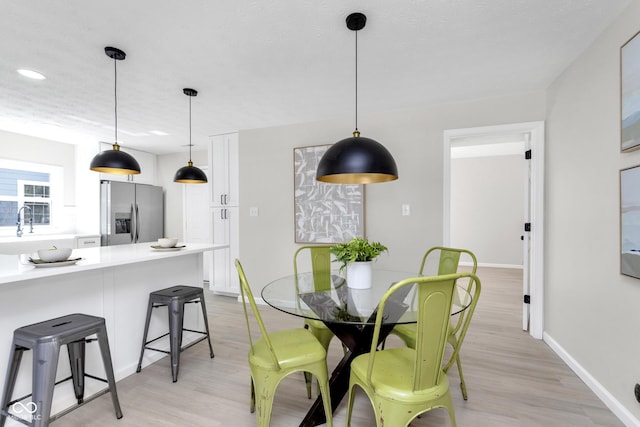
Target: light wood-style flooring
(512, 379)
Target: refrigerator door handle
(137, 223)
(132, 226)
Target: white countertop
(15, 268)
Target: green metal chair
(276, 355)
(448, 261)
(404, 382)
(320, 257)
(321, 268)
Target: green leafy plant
(357, 249)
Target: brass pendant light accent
(115, 161)
(190, 174)
(357, 160)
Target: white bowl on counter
(54, 254)
(167, 242)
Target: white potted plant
(357, 256)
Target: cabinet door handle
(226, 199)
(222, 199)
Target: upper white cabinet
(223, 163)
(147, 163)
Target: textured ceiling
(265, 63)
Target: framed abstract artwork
(324, 213)
(630, 221)
(630, 94)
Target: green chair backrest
(245, 292)
(449, 259)
(448, 263)
(434, 299)
(320, 256)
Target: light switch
(253, 211)
(406, 210)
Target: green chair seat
(296, 348)
(396, 383)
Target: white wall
(591, 311)
(487, 199)
(414, 137)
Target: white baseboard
(488, 264)
(603, 394)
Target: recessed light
(158, 132)
(31, 74)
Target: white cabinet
(87, 241)
(223, 160)
(224, 202)
(147, 162)
(197, 227)
(225, 232)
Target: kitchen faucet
(19, 230)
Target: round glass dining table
(330, 299)
(350, 314)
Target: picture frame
(630, 94)
(630, 221)
(324, 213)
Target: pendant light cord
(190, 129)
(115, 95)
(356, 81)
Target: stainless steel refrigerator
(130, 213)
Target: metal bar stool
(45, 339)
(174, 298)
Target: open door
(532, 240)
(526, 235)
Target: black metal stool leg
(45, 365)
(144, 335)
(103, 341)
(206, 323)
(176, 322)
(10, 381)
(76, 352)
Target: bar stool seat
(175, 298)
(45, 339)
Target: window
(31, 185)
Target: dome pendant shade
(190, 175)
(357, 160)
(115, 162)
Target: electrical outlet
(406, 210)
(253, 211)
(636, 390)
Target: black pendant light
(115, 161)
(190, 174)
(357, 160)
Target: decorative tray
(162, 248)
(38, 263)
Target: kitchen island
(113, 282)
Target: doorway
(529, 137)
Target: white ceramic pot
(359, 274)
